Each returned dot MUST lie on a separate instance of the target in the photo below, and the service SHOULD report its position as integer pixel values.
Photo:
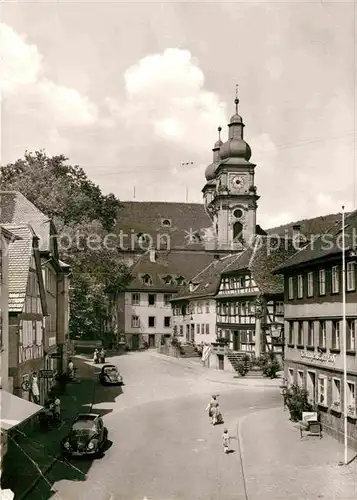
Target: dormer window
(193, 286)
(146, 279)
(180, 280)
(166, 222)
(168, 280)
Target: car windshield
(84, 426)
(111, 370)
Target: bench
(310, 424)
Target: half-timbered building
(27, 309)
(194, 308)
(250, 309)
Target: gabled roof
(206, 282)
(16, 209)
(261, 258)
(146, 217)
(20, 252)
(172, 263)
(327, 245)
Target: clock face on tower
(238, 182)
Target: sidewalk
(220, 376)
(279, 465)
(34, 453)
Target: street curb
(205, 370)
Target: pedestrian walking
(212, 404)
(70, 369)
(35, 391)
(226, 438)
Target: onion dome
(210, 170)
(235, 147)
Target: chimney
(298, 239)
(152, 255)
(296, 230)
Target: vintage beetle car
(87, 436)
(110, 375)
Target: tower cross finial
(236, 100)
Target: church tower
(230, 194)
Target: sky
(129, 91)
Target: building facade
(17, 210)
(314, 340)
(5, 239)
(143, 312)
(27, 309)
(194, 307)
(194, 320)
(147, 317)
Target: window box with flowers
(351, 411)
(336, 406)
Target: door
(236, 343)
(187, 333)
(135, 341)
(192, 332)
(220, 361)
(151, 340)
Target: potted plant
(297, 402)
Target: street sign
(46, 373)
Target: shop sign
(46, 373)
(319, 356)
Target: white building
(194, 307)
(144, 312)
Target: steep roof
(16, 209)
(20, 253)
(147, 217)
(328, 244)
(174, 264)
(308, 227)
(261, 258)
(206, 282)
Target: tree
(61, 191)
(82, 215)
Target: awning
(15, 410)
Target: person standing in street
(226, 438)
(35, 391)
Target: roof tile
(20, 252)
(16, 209)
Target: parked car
(109, 375)
(87, 436)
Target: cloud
(165, 97)
(20, 61)
(36, 110)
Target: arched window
(237, 230)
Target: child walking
(225, 439)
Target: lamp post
(344, 336)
